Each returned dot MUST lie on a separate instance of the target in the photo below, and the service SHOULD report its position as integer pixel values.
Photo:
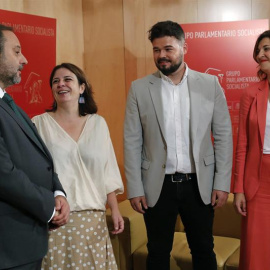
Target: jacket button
(163, 166)
(49, 168)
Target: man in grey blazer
(172, 166)
(31, 196)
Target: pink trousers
(255, 237)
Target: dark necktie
(9, 100)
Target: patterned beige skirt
(83, 243)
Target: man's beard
(168, 71)
(8, 77)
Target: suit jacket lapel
(155, 93)
(195, 103)
(22, 126)
(262, 99)
(37, 139)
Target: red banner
(37, 36)
(225, 49)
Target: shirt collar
(2, 92)
(167, 79)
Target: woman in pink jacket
(252, 171)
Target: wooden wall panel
(224, 10)
(260, 9)
(13, 5)
(105, 66)
(134, 36)
(69, 40)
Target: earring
(81, 99)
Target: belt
(180, 177)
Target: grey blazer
(146, 148)
(27, 182)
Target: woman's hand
(118, 222)
(240, 204)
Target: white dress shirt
(2, 92)
(176, 111)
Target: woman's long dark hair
(90, 106)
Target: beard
(168, 70)
(8, 75)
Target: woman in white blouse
(80, 144)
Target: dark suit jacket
(27, 182)
(249, 150)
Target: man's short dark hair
(166, 28)
(2, 38)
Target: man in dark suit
(31, 196)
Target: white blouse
(87, 168)
(266, 145)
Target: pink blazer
(249, 149)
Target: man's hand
(240, 204)
(219, 198)
(61, 212)
(138, 203)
